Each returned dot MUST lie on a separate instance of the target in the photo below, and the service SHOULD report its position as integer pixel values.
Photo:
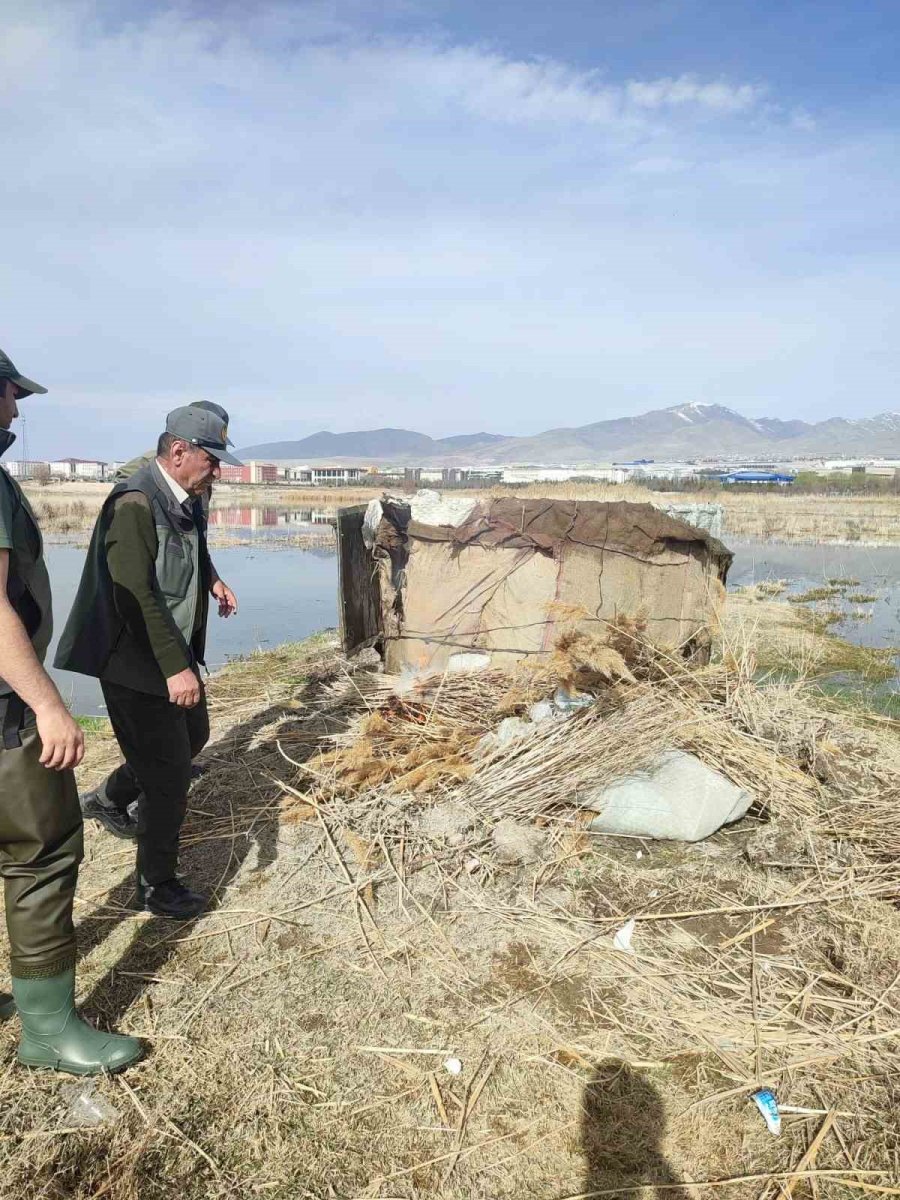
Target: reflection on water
(282, 597)
(271, 517)
(289, 595)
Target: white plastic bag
(678, 797)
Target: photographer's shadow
(623, 1126)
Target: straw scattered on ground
(372, 926)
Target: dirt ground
(301, 1036)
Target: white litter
(429, 507)
(465, 663)
(676, 797)
(453, 1066)
(623, 936)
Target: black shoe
(170, 899)
(95, 806)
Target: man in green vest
(40, 821)
(138, 624)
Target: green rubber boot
(7, 1007)
(54, 1036)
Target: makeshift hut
(435, 583)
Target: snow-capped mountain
(686, 431)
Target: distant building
(250, 472)
(777, 477)
(486, 476)
(28, 469)
(327, 476)
(647, 469)
(602, 473)
(77, 468)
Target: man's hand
(184, 689)
(62, 739)
(226, 598)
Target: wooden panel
(359, 600)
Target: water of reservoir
(289, 594)
(282, 597)
(875, 622)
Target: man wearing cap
(138, 624)
(143, 460)
(40, 821)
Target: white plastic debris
(567, 701)
(623, 936)
(677, 797)
(429, 507)
(371, 521)
(453, 1066)
(640, 854)
(510, 729)
(86, 1107)
(542, 711)
(466, 662)
(767, 1104)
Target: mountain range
(687, 431)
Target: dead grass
(778, 517)
(298, 1032)
(769, 516)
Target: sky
(446, 215)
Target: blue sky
(446, 216)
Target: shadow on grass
(237, 802)
(623, 1126)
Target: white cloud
(687, 90)
(328, 228)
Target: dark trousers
(40, 848)
(158, 740)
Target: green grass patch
(827, 656)
(816, 593)
(94, 724)
(861, 598)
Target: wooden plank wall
(359, 598)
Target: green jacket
(140, 613)
(28, 585)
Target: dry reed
(364, 930)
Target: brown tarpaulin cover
(506, 579)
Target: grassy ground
(298, 1033)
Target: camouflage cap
(205, 426)
(8, 370)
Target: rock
(450, 820)
(367, 659)
(515, 843)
